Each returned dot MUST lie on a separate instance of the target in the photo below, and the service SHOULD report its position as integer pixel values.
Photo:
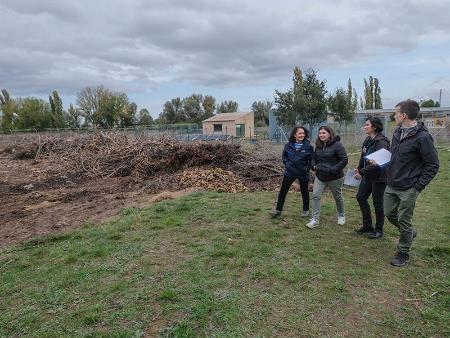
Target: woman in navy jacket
(297, 158)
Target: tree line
(103, 108)
(96, 106)
(307, 101)
(194, 109)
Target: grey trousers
(336, 189)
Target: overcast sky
(155, 50)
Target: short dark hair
(292, 135)
(329, 130)
(376, 123)
(409, 107)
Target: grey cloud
(62, 9)
(135, 45)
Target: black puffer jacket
(330, 160)
(414, 161)
(372, 173)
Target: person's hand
(371, 162)
(357, 176)
(356, 171)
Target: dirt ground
(32, 205)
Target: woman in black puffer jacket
(330, 159)
(297, 158)
(373, 179)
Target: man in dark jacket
(414, 163)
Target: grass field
(215, 264)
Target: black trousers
(286, 184)
(377, 191)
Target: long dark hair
(292, 136)
(319, 143)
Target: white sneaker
(304, 213)
(341, 220)
(313, 223)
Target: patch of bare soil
(33, 205)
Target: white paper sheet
(350, 179)
(381, 157)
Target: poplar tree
(7, 107)
(372, 94)
(57, 110)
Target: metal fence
(350, 133)
(186, 133)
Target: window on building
(217, 127)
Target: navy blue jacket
(298, 162)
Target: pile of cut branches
(117, 155)
(105, 155)
(260, 170)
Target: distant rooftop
(226, 117)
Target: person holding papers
(414, 163)
(330, 158)
(297, 157)
(373, 179)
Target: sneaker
(375, 234)
(304, 213)
(275, 213)
(363, 230)
(313, 223)
(400, 259)
(341, 220)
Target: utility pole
(440, 97)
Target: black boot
(400, 259)
(375, 234)
(364, 230)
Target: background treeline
(103, 108)
(96, 106)
(307, 101)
